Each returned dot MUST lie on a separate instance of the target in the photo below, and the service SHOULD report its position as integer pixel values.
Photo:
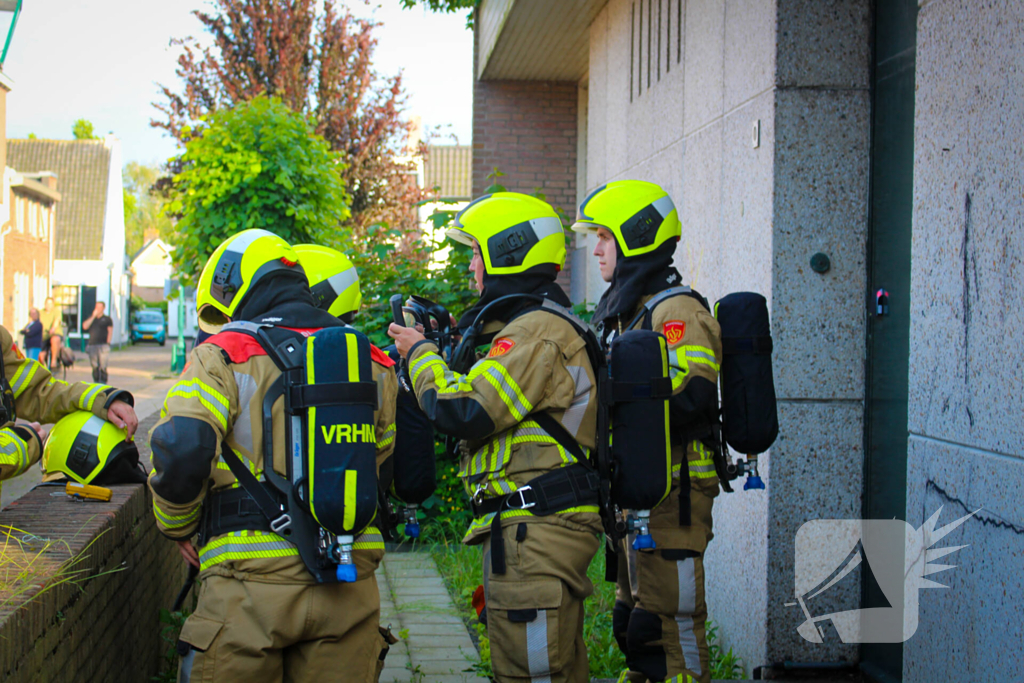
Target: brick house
(90, 263)
(858, 163)
(27, 217)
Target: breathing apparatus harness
(587, 482)
(319, 395)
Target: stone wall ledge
(105, 626)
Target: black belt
(231, 510)
(547, 494)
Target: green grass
(462, 570)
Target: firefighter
(536, 372)
(261, 616)
(31, 393)
(660, 612)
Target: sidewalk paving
(415, 602)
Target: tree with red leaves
(319, 63)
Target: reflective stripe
(700, 354)
(89, 397)
(352, 346)
(537, 648)
(210, 398)
(311, 425)
(241, 430)
(343, 280)
(668, 433)
(349, 518)
(508, 390)
(664, 206)
(678, 369)
(244, 545)
(388, 438)
(13, 452)
(24, 375)
(485, 521)
(175, 521)
(371, 539)
(687, 584)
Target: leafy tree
(144, 217)
(317, 58)
(257, 165)
(446, 6)
(83, 130)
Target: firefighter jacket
(536, 363)
(40, 397)
(695, 355)
(216, 405)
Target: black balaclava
(539, 280)
(634, 278)
(283, 298)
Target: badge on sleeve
(674, 331)
(501, 347)
(17, 352)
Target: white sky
(102, 60)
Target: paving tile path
(413, 599)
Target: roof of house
(155, 243)
(449, 167)
(83, 171)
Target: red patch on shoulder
(500, 347)
(17, 352)
(674, 331)
(380, 357)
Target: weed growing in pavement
(171, 629)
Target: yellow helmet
(333, 279)
(237, 264)
(641, 215)
(515, 231)
(91, 451)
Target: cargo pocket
(523, 627)
(387, 640)
(197, 635)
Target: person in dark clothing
(101, 330)
(33, 335)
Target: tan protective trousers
(535, 609)
(660, 615)
(257, 632)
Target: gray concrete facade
(967, 281)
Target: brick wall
(527, 130)
(108, 629)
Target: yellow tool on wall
(88, 491)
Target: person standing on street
(53, 333)
(101, 330)
(660, 613)
(33, 334)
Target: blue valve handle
(753, 482)
(346, 573)
(412, 530)
(643, 542)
